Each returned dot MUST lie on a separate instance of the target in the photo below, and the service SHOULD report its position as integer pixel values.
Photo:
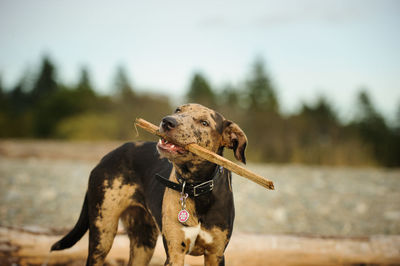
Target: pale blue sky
(310, 47)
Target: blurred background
(314, 84)
(309, 82)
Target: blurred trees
(262, 121)
(313, 135)
(46, 108)
(40, 106)
(374, 132)
(261, 94)
(200, 91)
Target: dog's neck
(195, 173)
(196, 170)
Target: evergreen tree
(122, 86)
(367, 111)
(84, 83)
(262, 96)
(397, 121)
(316, 127)
(50, 102)
(126, 102)
(17, 99)
(3, 100)
(396, 142)
(17, 111)
(322, 112)
(84, 93)
(230, 96)
(45, 83)
(4, 132)
(200, 91)
(374, 130)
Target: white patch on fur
(206, 236)
(193, 232)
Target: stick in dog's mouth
(207, 155)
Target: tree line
(40, 106)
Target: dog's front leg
(218, 240)
(176, 242)
(175, 252)
(214, 260)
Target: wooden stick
(209, 156)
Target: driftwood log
(21, 247)
(209, 156)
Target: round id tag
(183, 216)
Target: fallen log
(209, 156)
(24, 247)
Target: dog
(162, 188)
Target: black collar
(192, 189)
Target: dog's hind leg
(105, 209)
(101, 238)
(101, 234)
(142, 232)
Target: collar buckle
(206, 185)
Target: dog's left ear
(234, 138)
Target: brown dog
(160, 187)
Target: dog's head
(194, 123)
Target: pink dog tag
(183, 216)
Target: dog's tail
(80, 228)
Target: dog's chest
(196, 235)
(192, 237)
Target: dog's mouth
(166, 146)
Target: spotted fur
(122, 186)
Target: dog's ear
(234, 138)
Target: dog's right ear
(234, 138)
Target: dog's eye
(204, 123)
(178, 110)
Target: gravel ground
(45, 190)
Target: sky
(310, 47)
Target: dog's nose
(169, 123)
